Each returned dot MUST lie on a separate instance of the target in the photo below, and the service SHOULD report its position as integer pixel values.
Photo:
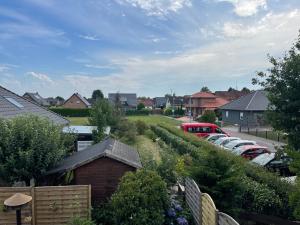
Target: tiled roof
(218, 103)
(83, 99)
(255, 101)
(8, 109)
(203, 95)
(110, 148)
(37, 98)
(129, 98)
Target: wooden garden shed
(101, 166)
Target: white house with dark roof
(127, 100)
(247, 110)
(13, 105)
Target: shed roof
(110, 148)
(12, 105)
(254, 101)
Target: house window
(14, 102)
(241, 115)
(226, 114)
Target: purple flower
(178, 207)
(182, 221)
(171, 213)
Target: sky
(148, 47)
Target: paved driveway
(233, 131)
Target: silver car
(237, 143)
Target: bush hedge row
(72, 112)
(142, 112)
(255, 176)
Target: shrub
(29, 146)
(208, 116)
(142, 112)
(140, 106)
(141, 198)
(102, 214)
(141, 127)
(71, 112)
(150, 134)
(126, 131)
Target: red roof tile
(203, 95)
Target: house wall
(250, 119)
(74, 103)
(104, 175)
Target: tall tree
(205, 89)
(245, 90)
(282, 83)
(97, 94)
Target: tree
(29, 147)
(230, 89)
(140, 106)
(245, 90)
(101, 116)
(205, 89)
(97, 94)
(59, 98)
(208, 116)
(282, 83)
(141, 198)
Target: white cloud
(158, 7)
(89, 37)
(247, 7)
(40, 76)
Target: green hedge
(142, 112)
(72, 112)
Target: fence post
(256, 132)
(278, 137)
(266, 134)
(248, 130)
(33, 219)
(90, 202)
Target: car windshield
(231, 144)
(215, 137)
(219, 141)
(264, 159)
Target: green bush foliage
(218, 172)
(126, 131)
(103, 214)
(141, 198)
(142, 112)
(141, 127)
(140, 106)
(208, 116)
(71, 112)
(29, 146)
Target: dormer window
(14, 102)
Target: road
(233, 131)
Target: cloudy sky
(58, 47)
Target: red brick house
(202, 101)
(148, 102)
(231, 94)
(101, 166)
(76, 101)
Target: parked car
(225, 140)
(213, 137)
(279, 165)
(250, 151)
(237, 143)
(202, 129)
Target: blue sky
(58, 47)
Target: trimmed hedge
(72, 112)
(142, 112)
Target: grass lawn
(77, 121)
(147, 148)
(155, 119)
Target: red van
(202, 129)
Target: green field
(147, 148)
(155, 119)
(77, 121)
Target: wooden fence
(203, 207)
(50, 205)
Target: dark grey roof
(36, 98)
(10, 110)
(110, 148)
(254, 101)
(129, 98)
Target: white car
(225, 140)
(237, 143)
(213, 137)
(263, 159)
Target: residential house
(101, 166)
(175, 101)
(13, 105)
(128, 101)
(160, 102)
(247, 110)
(148, 102)
(36, 98)
(76, 101)
(55, 101)
(231, 94)
(202, 101)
